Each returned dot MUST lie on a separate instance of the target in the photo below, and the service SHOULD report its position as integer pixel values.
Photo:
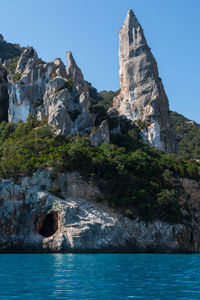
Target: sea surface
(99, 276)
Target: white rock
(142, 97)
(77, 223)
(100, 135)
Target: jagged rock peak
(135, 31)
(73, 71)
(44, 90)
(28, 54)
(142, 98)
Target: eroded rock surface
(32, 219)
(142, 98)
(27, 86)
(73, 71)
(100, 135)
(46, 89)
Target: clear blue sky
(89, 28)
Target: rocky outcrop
(27, 86)
(46, 89)
(34, 219)
(142, 98)
(28, 56)
(1, 38)
(100, 135)
(73, 71)
(3, 94)
(67, 111)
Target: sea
(100, 276)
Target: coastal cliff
(34, 219)
(83, 171)
(48, 89)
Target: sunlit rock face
(66, 110)
(27, 86)
(142, 98)
(32, 219)
(73, 71)
(47, 89)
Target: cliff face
(34, 219)
(142, 98)
(51, 212)
(3, 94)
(46, 89)
(63, 96)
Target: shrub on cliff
(132, 175)
(8, 50)
(188, 133)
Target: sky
(89, 28)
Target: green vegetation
(8, 50)
(188, 133)
(37, 102)
(12, 66)
(16, 77)
(103, 98)
(100, 103)
(40, 61)
(107, 98)
(69, 84)
(133, 176)
(55, 190)
(142, 125)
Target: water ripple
(99, 276)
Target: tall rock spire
(142, 98)
(73, 71)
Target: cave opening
(48, 225)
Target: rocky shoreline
(32, 219)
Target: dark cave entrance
(48, 225)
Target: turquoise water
(99, 276)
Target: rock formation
(64, 213)
(100, 135)
(3, 94)
(28, 56)
(68, 111)
(27, 86)
(32, 219)
(73, 71)
(46, 89)
(142, 98)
